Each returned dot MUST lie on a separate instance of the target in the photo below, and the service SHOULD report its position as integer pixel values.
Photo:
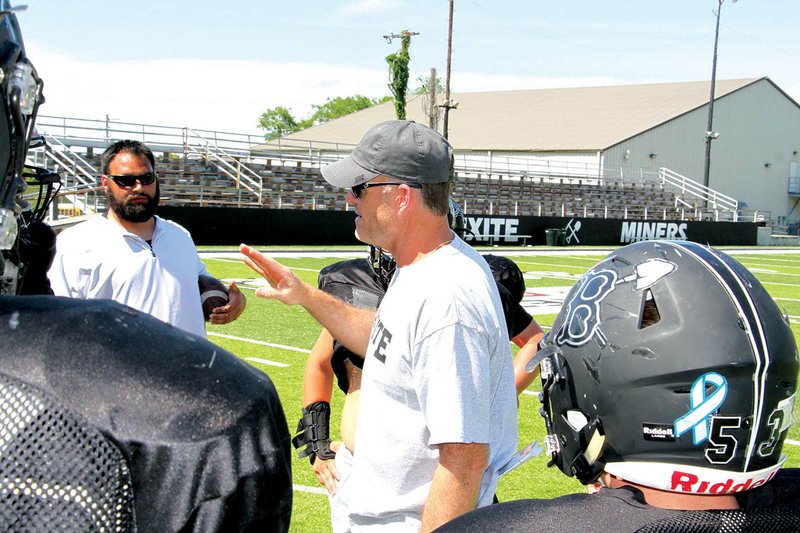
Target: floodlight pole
(710, 133)
(447, 103)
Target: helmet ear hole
(576, 419)
(650, 314)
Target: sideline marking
(260, 343)
(792, 442)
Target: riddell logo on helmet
(686, 482)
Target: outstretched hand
(284, 286)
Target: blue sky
(218, 65)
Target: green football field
(276, 339)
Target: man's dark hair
(436, 197)
(128, 146)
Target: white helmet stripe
(739, 294)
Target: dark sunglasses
(356, 190)
(129, 181)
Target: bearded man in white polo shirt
(133, 256)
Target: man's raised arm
(350, 325)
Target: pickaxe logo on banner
(572, 228)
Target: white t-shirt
(438, 370)
(100, 259)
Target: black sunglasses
(356, 190)
(129, 181)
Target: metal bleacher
(218, 169)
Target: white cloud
(231, 95)
(363, 6)
(214, 95)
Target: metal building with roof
(627, 128)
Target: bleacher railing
(99, 133)
(725, 206)
(228, 163)
(235, 155)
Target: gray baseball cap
(400, 149)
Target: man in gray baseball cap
(437, 416)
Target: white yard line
(771, 260)
(771, 272)
(750, 265)
(221, 259)
(582, 268)
(260, 343)
(312, 490)
(781, 284)
(266, 362)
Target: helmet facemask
(456, 220)
(574, 442)
(382, 263)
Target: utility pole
(447, 103)
(398, 71)
(710, 133)
(400, 35)
(432, 96)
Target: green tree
(339, 107)
(425, 85)
(398, 70)
(277, 122)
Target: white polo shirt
(100, 259)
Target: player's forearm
(317, 387)
(528, 341)
(318, 374)
(523, 378)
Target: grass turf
(272, 322)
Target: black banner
(567, 231)
(230, 226)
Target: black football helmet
(20, 97)
(382, 263)
(669, 366)
(507, 273)
(456, 219)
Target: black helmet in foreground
(26, 243)
(669, 366)
(456, 219)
